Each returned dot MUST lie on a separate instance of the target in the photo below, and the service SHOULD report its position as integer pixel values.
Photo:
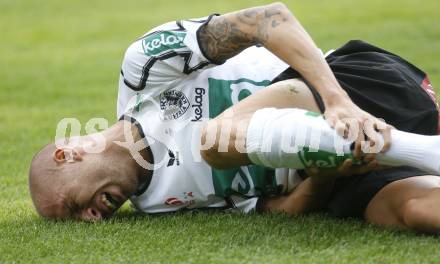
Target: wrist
(335, 98)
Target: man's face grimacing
(67, 182)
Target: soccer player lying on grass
(162, 157)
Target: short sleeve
(161, 59)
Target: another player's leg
(408, 203)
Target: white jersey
(169, 87)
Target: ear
(62, 155)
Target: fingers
(376, 137)
(372, 165)
(345, 168)
(348, 169)
(357, 153)
(386, 133)
(331, 119)
(312, 171)
(358, 126)
(371, 135)
(367, 158)
(374, 129)
(341, 128)
(351, 130)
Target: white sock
(295, 138)
(413, 150)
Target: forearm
(292, 44)
(309, 196)
(275, 27)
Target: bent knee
(209, 142)
(411, 203)
(297, 93)
(412, 213)
(292, 87)
(421, 214)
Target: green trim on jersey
(220, 93)
(138, 102)
(239, 180)
(162, 41)
(314, 114)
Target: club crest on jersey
(173, 104)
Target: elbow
(214, 158)
(211, 157)
(222, 144)
(278, 8)
(209, 145)
(219, 153)
(271, 16)
(278, 5)
(207, 152)
(281, 11)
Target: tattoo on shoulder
(222, 39)
(226, 36)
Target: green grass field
(62, 59)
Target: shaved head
(68, 181)
(45, 182)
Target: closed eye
(73, 209)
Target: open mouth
(109, 201)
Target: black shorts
(388, 87)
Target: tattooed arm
(279, 31)
(275, 27)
